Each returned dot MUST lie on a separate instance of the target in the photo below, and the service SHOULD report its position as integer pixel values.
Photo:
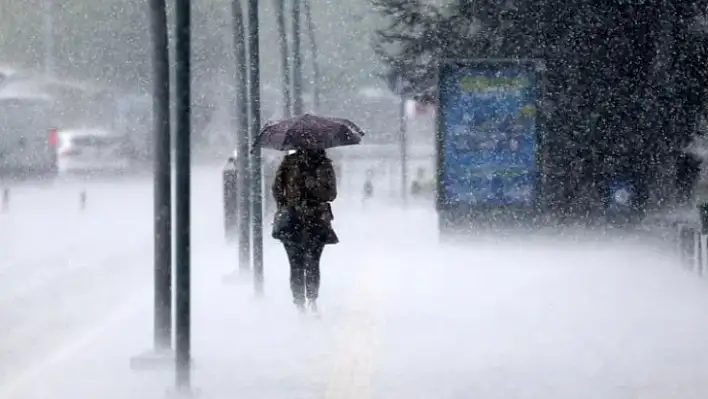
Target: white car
(92, 151)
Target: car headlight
(622, 196)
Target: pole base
(238, 276)
(153, 360)
(258, 290)
(182, 393)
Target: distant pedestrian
(417, 186)
(368, 189)
(303, 188)
(368, 186)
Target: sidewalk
(404, 317)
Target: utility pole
(297, 61)
(254, 80)
(243, 153)
(284, 64)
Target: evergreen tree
(625, 86)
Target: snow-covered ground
(403, 316)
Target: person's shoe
(312, 305)
(300, 305)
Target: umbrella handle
(255, 143)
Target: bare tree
(314, 54)
(284, 64)
(297, 59)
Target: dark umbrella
(309, 132)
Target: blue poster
(488, 137)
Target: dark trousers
(304, 269)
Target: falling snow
(437, 288)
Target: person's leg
(313, 253)
(296, 257)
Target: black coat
(303, 189)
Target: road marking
(23, 379)
(354, 365)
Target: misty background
(107, 44)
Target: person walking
(303, 188)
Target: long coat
(307, 186)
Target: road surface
(403, 316)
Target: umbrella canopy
(309, 132)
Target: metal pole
(297, 60)
(183, 193)
(243, 151)
(162, 194)
(404, 150)
(254, 80)
(284, 64)
(49, 8)
(314, 53)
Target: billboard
(487, 134)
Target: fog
(93, 40)
(106, 48)
(403, 315)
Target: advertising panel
(487, 134)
